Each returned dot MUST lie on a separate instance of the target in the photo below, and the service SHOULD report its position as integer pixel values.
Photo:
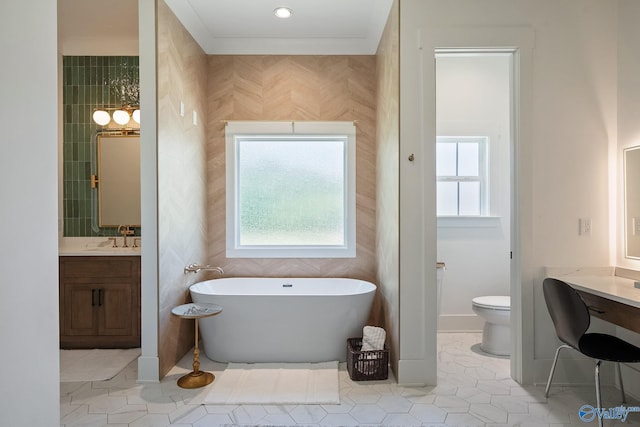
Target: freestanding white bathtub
(282, 320)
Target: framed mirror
(632, 202)
(118, 180)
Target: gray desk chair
(571, 318)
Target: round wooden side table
(196, 378)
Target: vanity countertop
(615, 288)
(94, 246)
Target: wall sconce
(121, 115)
(101, 117)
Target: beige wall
(388, 172)
(294, 88)
(182, 209)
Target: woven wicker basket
(366, 365)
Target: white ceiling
(317, 27)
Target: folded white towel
(373, 338)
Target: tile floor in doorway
(473, 390)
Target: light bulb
(101, 117)
(136, 116)
(283, 12)
(121, 117)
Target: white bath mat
(276, 384)
(94, 365)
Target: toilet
(496, 312)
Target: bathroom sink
(97, 246)
(112, 249)
(106, 247)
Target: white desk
(611, 298)
(615, 288)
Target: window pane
(445, 159)
(468, 161)
(470, 198)
(291, 192)
(447, 198)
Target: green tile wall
(85, 86)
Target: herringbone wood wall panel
(387, 309)
(182, 180)
(294, 88)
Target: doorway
(474, 180)
(95, 50)
(418, 124)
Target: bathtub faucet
(194, 268)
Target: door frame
(510, 55)
(418, 237)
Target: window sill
(468, 221)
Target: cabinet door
(99, 302)
(80, 316)
(117, 316)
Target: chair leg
(598, 398)
(624, 399)
(553, 368)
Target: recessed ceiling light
(283, 12)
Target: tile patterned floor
(473, 390)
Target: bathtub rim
(359, 286)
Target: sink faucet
(125, 231)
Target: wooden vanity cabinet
(99, 301)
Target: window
(461, 170)
(290, 189)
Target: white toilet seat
(494, 302)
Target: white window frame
(483, 172)
(235, 131)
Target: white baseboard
(460, 323)
(571, 371)
(579, 371)
(416, 373)
(631, 380)
(148, 369)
